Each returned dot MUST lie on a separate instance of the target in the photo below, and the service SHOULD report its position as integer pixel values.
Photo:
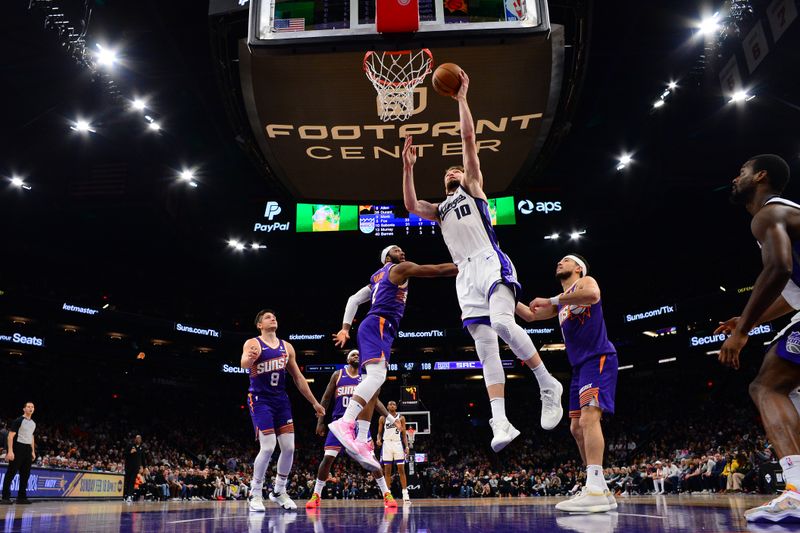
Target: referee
(21, 453)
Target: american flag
(282, 25)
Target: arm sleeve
(353, 302)
(15, 425)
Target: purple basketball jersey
(388, 299)
(584, 331)
(268, 374)
(345, 386)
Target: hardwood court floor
(707, 513)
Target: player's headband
(580, 263)
(351, 352)
(385, 252)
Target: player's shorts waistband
(470, 258)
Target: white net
(395, 75)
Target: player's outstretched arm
(778, 308)
(343, 335)
(300, 381)
(473, 178)
(407, 269)
(421, 208)
(769, 228)
(526, 313)
(587, 292)
(250, 353)
(326, 401)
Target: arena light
(152, 125)
(257, 246)
(650, 333)
(105, 57)
(186, 175)
(672, 85)
(625, 367)
(723, 289)
(658, 103)
(139, 104)
(624, 160)
(667, 360)
(551, 237)
(740, 97)
(19, 183)
(716, 352)
(709, 25)
(82, 126)
(575, 235)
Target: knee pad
(372, 382)
(513, 335)
(488, 351)
(286, 442)
(267, 442)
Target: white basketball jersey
(390, 432)
(466, 225)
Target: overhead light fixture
(716, 352)
(138, 104)
(575, 235)
(650, 333)
(740, 96)
(709, 25)
(658, 103)
(723, 289)
(154, 126)
(105, 56)
(672, 85)
(667, 360)
(624, 161)
(625, 367)
(19, 183)
(257, 246)
(82, 126)
(551, 237)
(186, 175)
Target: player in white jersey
(395, 447)
(486, 282)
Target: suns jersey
(345, 385)
(791, 293)
(390, 432)
(466, 225)
(388, 299)
(268, 373)
(584, 331)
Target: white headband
(385, 252)
(580, 263)
(351, 352)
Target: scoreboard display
(385, 220)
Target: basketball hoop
(395, 75)
(410, 432)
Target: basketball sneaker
(784, 508)
(586, 501)
(365, 456)
(314, 502)
(504, 433)
(388, 501)
(256, 503)
(283, 500)
(406, 498)
(612, 501)
(552, 411)
(345, 432)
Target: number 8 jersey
(268, 374)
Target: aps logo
(526, 207)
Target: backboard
(315, 116)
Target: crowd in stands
(700, 454)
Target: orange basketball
(446, 79)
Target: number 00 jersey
(345, 386)
(268, 374)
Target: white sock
(498, 408)
(594, 477)
(318, 486)
(542, 375)
(405, 491)
(353, 410)
(280, 483)
(791, 470)
(381, 481)
(363, 430)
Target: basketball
(446, 79)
